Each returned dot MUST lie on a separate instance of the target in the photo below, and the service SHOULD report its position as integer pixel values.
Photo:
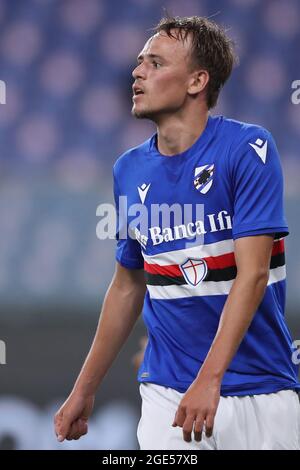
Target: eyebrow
(151, 56)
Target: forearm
(239, 309)
(120, 311)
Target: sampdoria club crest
(203, 178)
(194, 270)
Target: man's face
(161, 76)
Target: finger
(179, 417)
(198, 429)
(63, 428)
(60, 427)
(79, 428)
(57, 423)
(209, 425)
(188, 427)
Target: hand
(70, 421)
(197, 408)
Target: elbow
(262, 278)
(262, 275)
(258, 277)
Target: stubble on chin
(139, 114)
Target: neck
(176, 134)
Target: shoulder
(248, 144)
(241, 133)
(127, 160)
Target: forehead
(167, 47)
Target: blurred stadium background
(67, 67)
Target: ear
(198, 81)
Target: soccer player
(217, 371)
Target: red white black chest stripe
(166, 278)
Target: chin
(143, 113)
(139, 114)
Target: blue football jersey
(227, 185)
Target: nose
(139, 71)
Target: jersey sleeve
(258, 188)
(128, 250)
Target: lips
(137, 90)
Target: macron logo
(143, 191)
(261, 149)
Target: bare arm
(252, 255)
(121, 308)
(199, 405)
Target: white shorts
(257, 422)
